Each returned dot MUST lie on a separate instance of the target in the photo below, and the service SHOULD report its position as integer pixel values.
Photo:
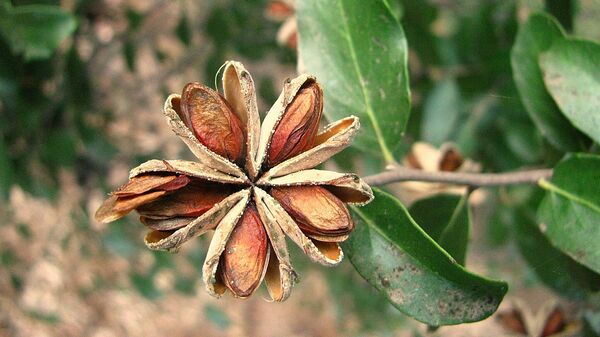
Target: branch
(399, 173)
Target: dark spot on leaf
(384, 281)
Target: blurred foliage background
(82, 84)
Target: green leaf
(570, 212)
(592, 322)
(441, 112)
(35, 30)
(445, 218)
(572, 76)
(357, 50)
(555, 269)
(419, 278)
(535, 37)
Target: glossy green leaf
(534, 37)
(445, 217)
(572, 76)
(35, 30)
(419, 278)
(557, 270)
(357, 50)
(570, 212)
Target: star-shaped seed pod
(253, 185)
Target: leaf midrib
(568, 195)
(389, 158)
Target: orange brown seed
(451, 160)
(245, 257)
(142, 183)
(190, 201)
(213, 122)
(126, 204)
(315, 209)
(297, 129)
(555, 323)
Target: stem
(399, 173)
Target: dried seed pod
(213, 122)
(316, 210)
(297, 129)
(555, 323)
(245, 258)
(106, 213)
(190, 201)
(348, 187)
(188, 168)
(166, 224)
(127, 204)
(206, 157)
(280, 275)
(451, 160)
(117, 207)
(212, 279)
(238, 89)
(333, 139)
(147, 182)
(239, 159)
(226, 211)
(138, 191)
(325, 253)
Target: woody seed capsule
(243, 165)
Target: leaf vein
(369, 110)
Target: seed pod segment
(190, 201)
(147, 182)
(316, 210)
(213, 122)
(245, 258)
(297, 129)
